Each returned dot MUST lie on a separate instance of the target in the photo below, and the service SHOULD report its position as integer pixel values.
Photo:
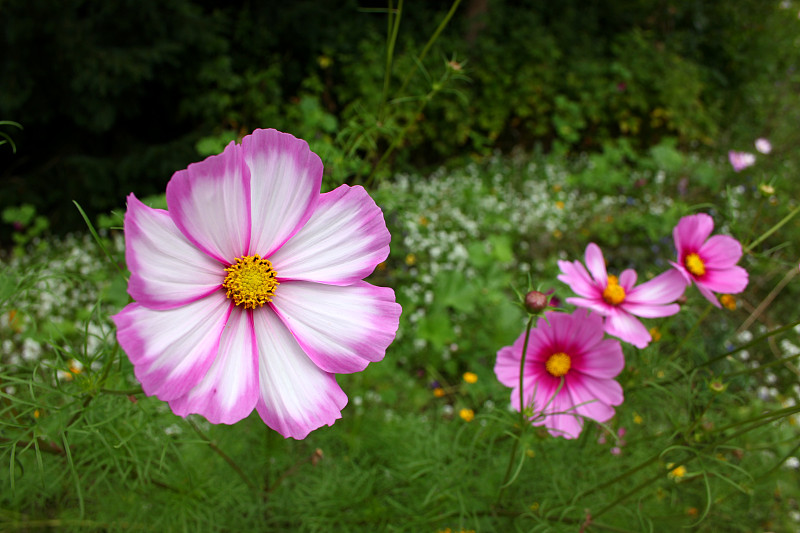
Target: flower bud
(536, 302)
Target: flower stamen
(558, 364)
(694, 264)
(250, 281)
(613, 294)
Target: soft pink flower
(741, 160)
(249, 291)
(708, 262)
(763, 146)
(570, 349)
(619, 299)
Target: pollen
(694, 264)
(250, 281)
(558, 364)
(613, 294)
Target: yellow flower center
(250, 281)
(558, 364)
(613, 294)
(694, 264)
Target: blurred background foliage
(116, 96)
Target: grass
(706, 437)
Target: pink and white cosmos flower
(618, 299)
(568, 348)
(708, 262)
(741, 160)
(249, 290)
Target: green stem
(224, 456)
(772, 230)
(394, 27)
(523, 423)
(691, 332)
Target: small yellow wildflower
(559, 205)
(766, 189)
(411, 259)
(36, 414)
(728, 302)
(660, 374)
(467, 414)
(324, 61)
(655, 333)
(470, 377)
(692, 511)
(381, 266)
(535, 506)
(676, 473)
(423, 220)
(637, 418)
(438, 392)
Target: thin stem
(224, 456)
(691, 332)
(394, 27)
(523, 423)
(772, 230)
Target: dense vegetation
(498, 137)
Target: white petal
(342, 329)
(229, 391)
(172, 350)
(166, 269)
(296, 396)
(285, 179)
(342, 242)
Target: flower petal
(229, 390)
(627, 279)
(342, 329)
(342, 242)
(284, 187)
(597, 305)
(720, 252)
(731, 280)
(210, 203)
(587, 404)
(295, 395)
(172, 350)
(628, 328)
(596, 264)
(662, 289)
(575, 275)
(605, 360)
(574, 333)
(166, 269)
(691, 232)
(651, 311)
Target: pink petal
(578, 279)
(597, 305)
(342, 329)
(731, 280)
(720, 252)
(587, 404)
(210, 203)
(166, 269)
(628, 328)
(627, 279)
(651, 311)
(596, 264)
(662, 289)
(284, 187)
(172, 350)
(575, 333)
(605, 360)
(295, 395)
(708, 295)
(691, 232)
(342, 242)
(567, 422)
(606, 391)
(229, 391)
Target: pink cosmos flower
(708, 262)
(741, 160)
(570, 349)
(249, 291)
(618, 299)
